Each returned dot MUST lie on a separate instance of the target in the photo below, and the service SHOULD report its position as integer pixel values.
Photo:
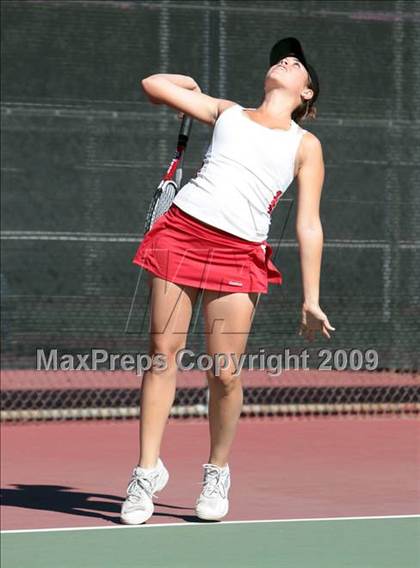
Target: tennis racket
(165, 193)
(171, 181)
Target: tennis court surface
(330, 492)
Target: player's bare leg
(171, 310)
(228, 320)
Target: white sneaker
(138, 506)
(213, 503)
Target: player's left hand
(313, 319)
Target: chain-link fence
(35, 396)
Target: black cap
(291, 46)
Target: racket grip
(184, 130)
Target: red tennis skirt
(184, 250)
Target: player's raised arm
(182, 93)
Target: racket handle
(184, 130)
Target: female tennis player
(213, 237)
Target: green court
(387, 542)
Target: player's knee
(166, 347)
(225, 379)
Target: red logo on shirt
(274, 201)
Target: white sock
(147, 469)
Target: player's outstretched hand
(313, 319)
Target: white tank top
(246, 169)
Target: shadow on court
(67, 500)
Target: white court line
(198, 524)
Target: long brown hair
(306, 109)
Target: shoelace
(213, 481)
(139, 485)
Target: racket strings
(161, 204)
